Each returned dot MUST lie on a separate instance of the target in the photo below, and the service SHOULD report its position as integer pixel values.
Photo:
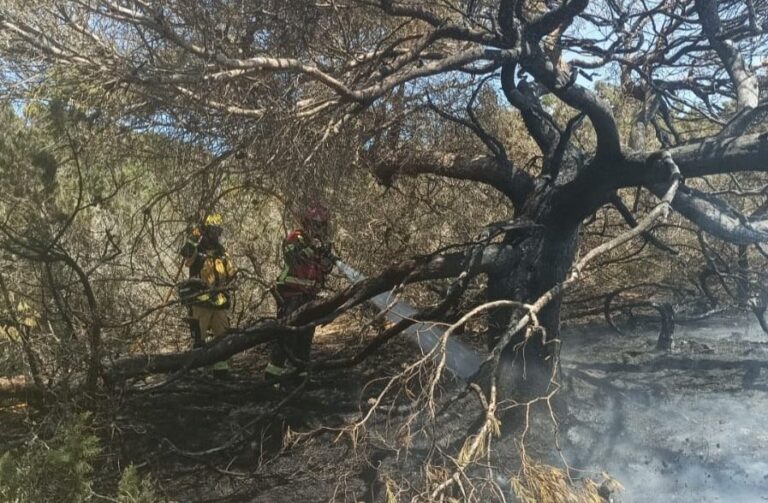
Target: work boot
(194, 328)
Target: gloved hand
(328, 252)
(189, 249)
(321, 247)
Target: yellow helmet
(213, 219)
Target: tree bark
(539, 263)
(742, 276)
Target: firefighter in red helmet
(308, 260)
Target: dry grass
(540, 483)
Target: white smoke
(689, 426)
(686, 426)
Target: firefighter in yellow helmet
(211, 273)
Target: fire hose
(461, 360)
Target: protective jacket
(306, 266)
(210, 263)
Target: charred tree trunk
(742, 277)
(667, 330)
(527, 366)
(541, 261)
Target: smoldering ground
(686, 425)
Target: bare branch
(744, 82)
(718, 219)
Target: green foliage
(134, 488)
(61, 469)
(57, 470)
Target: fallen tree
(318, 312)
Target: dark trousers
(299, 343)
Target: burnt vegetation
(503, 166)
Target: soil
(211, 440)
(685, 425)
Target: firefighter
(308, 261)
(211, 272)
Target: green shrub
(60, 469)
(134, 488)
(56, 470)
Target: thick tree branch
(321, 311)
(717, 218)
(539, 123)
(595, 184)
(561, 85)
(744, 120)
(707, 157)
(515, 184)
(554, 19)
(451, 30)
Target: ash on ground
(684, 425)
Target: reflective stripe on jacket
(210, 263)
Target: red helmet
(317, 213)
